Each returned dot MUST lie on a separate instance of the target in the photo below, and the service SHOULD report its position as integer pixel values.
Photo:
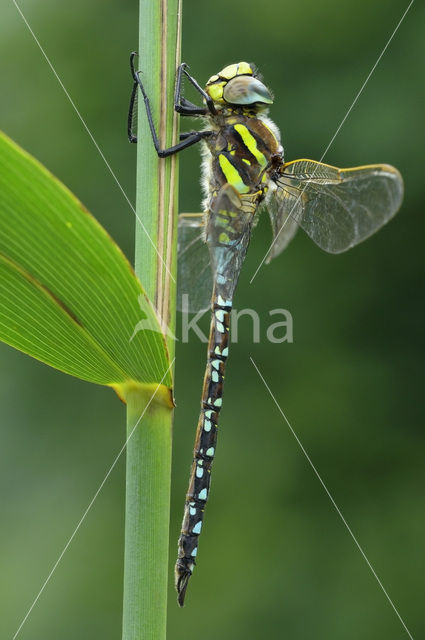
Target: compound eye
(246, 90)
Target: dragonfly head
(237, 84)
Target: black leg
(192, 138)
(131, 136)
(207, 98)
(181, 105)
(188, 140)
(186, 134)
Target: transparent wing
(284, 226)
(228, 233)
(337, 208)
(194, 277)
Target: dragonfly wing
(284, 226)
(228, 234)
(194, 276)
(338, 208)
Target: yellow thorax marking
(251, 144)
(232, 175)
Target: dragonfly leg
(131, 136)
(183, 106)
(202, 134)
(186, 140)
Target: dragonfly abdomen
(205, 444)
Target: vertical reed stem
(149, 447)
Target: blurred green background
(275, 560)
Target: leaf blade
(86, 302)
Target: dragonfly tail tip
(181, 585)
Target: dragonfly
(243, 173)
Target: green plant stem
(149, 444)
(147, 519)
(156, 202)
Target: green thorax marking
(241, 153)
(251, 144)
(232, 174)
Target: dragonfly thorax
(240, 153)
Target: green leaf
(68, 295)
